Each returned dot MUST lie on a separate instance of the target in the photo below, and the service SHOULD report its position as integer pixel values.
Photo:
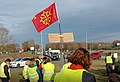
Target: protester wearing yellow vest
(5, 71)
(77, 72)
(39, 63)
(25, 70)
(48, 71)
(109, 62)
(33, 72)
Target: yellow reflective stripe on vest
(33, 74)
(69, 75)
(48, 74)
(109, 59)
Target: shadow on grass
(100, 75)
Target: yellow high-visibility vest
(2, 74)
(67, 65)
(68, 75)
(25, 69)
(48, 71)
(40, 62)
(109, 59)
(32, 74)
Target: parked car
(96, 55)
(19, 62)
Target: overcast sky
(100, 17)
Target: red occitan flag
(45, 18)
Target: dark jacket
(37, 63)
(87, 77)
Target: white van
(55, 54)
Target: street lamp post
(87, 38)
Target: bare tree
(4, 35)
(27, 44)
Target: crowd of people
(41, 69)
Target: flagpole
(60, 31)
(41, 24)
(61, 39)
(59, 27)
(58, 18)
(41, 42)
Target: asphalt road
(16, 69)
(61, 61)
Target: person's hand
(9, 81)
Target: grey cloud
(75, 15)
(108, 37)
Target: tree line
(7, 44)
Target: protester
(39, 60)
(109, 64)
(114, 78)
(48, 70)
(39, 63)
(33, 71)
(25, 70)
(77, 72)
(5, 71)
